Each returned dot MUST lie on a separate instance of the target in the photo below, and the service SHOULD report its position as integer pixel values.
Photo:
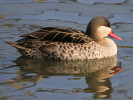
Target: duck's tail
(14, 44)
(23, 50)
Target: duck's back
(58, 34)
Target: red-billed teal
(69, 44)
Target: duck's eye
(109, 25)
(106, 25)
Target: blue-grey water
(30, 79)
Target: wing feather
(59, 34)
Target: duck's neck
(108, 44)
(96, 38)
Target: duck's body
(66, 44)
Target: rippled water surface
(29, 79)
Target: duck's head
(99, 28)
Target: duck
(55, 43)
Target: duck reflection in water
(99, 82)
(97, 72)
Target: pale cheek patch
(103, 30)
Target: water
(23, 78)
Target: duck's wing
(58, 34)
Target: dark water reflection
(97, 74)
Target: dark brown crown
(95, 23)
